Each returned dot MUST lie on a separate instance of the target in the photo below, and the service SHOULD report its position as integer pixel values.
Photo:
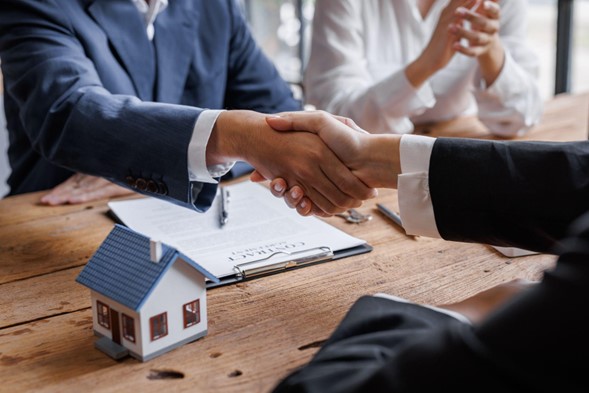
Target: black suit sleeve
(537, 343)
(522, 194)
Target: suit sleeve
(253, 81)
(522, 194)
(74, 122)
(536, 343)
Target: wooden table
(258, 330)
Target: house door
(116, 329)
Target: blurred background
(283, 29)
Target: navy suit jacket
(523, 194)
(85, 90)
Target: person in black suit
(533, 195)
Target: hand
(294, 196)
(372, 158)
(482, 37)
(83, 188)
(300, 158)
(441, 47)
(478, 307)
(484, 27)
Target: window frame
(128, 325)
(102, 318)
(186, 314)
(164, 323)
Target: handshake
(322, 164)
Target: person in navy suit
(520, 337)
(145, 94)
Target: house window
(191, 313)
(128, 328)
(103, 312)
(159, 326)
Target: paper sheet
(260, 228)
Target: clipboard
(324, 254)
(262, 236)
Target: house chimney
(155, 250)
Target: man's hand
(374, 159)
(478, 307)
(300, 158)
(83, 188)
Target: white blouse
(359, 52)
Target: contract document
(260, 234)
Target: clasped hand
(372, 158)
(480, 39)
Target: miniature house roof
(122, 269)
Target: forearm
(512, 104)
(378, 162)
(421, 70)
(226, 143)
(491, 62)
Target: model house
(147, 298)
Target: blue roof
(122, 270)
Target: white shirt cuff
(453, 314)
(197, 150)
(415, 204)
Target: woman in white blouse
(390, 64)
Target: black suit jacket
(520, 194)
(523, 194)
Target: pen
(392, 215)
(224, 211)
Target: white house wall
(180, 285)
(133, 347)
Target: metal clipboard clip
(322, 253)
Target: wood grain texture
(259, 330)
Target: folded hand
(483, 34)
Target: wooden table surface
(258, 330)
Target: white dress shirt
(359, 52)
(197, 166)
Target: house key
(353, 215)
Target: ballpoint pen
(224, 211)
(392, 215)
